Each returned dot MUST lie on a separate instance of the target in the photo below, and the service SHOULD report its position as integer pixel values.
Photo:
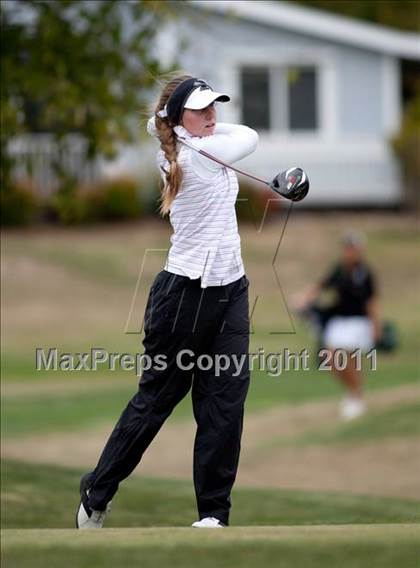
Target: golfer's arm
(373, 315)
(312, 294)
(229, 143)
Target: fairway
(351, 545)
(311, 491)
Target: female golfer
(353, 323)
(197, 305)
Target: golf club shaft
(207, 155)
(232, 168)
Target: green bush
(106, 200)
(114, 199)
(252, 202)
(150, 195)
(68, 208)
(19, 204)
(407, 147)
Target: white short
(349, 333)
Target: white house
(323, 91)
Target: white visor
(202, 98)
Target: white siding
(349, 160)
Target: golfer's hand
(377, 331)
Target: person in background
(353, 322)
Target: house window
(280, 98)
(255, 88)
(301, 83)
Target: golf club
(292, 184)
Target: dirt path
(386, 467)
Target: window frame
(279, 114)
(324, 62)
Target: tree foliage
(76, 66)
(407, 147)
(401, 14)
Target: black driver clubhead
(292, 184)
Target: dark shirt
(353, 287)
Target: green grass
(21, 368)
(55, 412)
(41, 496)
(63, 411)
(83, 257)
(349, 546)
(40, 414)
(400, 367)
(398, 422)
(402, 421)
(109, 258)
(96, 265)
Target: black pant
(180, 315)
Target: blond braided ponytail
(168, 144)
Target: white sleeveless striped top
(205, 243)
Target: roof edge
(319, 24)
